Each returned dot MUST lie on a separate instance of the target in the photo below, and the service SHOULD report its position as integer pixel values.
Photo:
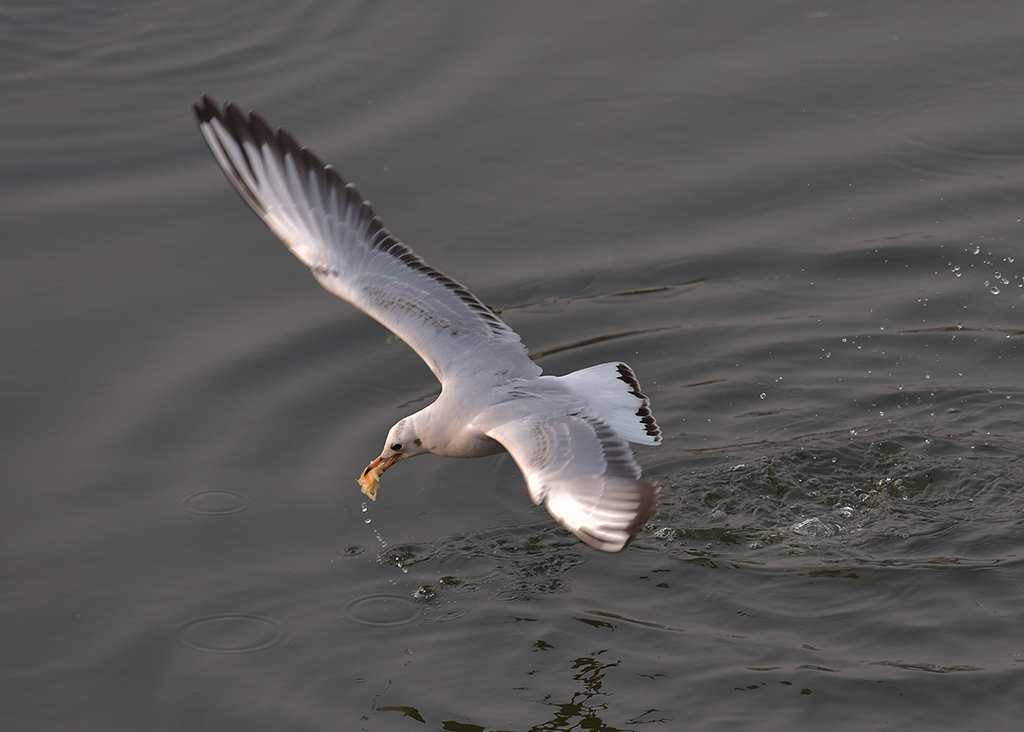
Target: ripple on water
(214, 502)
(230, 633)
(383, 610)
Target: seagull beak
(388, 462)
(368, 481)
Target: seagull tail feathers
(613, 390)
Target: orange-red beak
(368, 480)
(377, 461)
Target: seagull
(568, 434)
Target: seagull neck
(446, 427)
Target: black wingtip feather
(205, 109)
(644, 412)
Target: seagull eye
(397, 447)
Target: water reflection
(582, 709)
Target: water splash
(1000, 275)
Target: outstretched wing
(580, 469)
(327, 224)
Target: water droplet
(366, 521)
(763, 395)
(994, 290)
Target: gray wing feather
(330, 227)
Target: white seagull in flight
(568, 434)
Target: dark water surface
(799, 222)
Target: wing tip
(205, 109)
(615, 536)
(644, 413)
(252, 124)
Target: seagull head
(402, 442)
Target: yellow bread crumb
(369, 482)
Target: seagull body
(568, 434)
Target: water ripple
(215, 502)
(383, 610)
(230, 633)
